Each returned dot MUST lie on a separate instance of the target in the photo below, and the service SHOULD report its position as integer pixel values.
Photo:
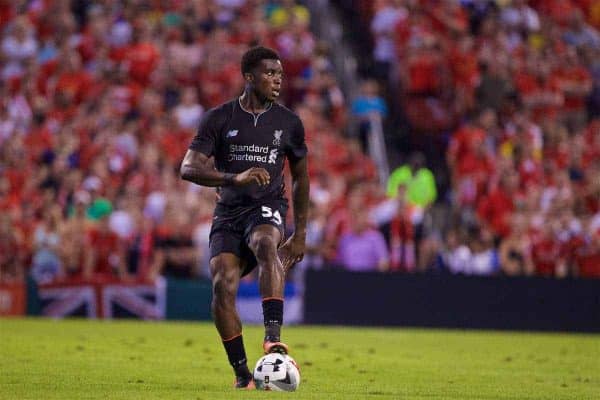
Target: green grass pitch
(77, 359)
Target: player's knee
(224, 280)
(264, 247)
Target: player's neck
(252, 103)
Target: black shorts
(232, 226)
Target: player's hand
(292, 252)
(258, 175)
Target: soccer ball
(277, 372)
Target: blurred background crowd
(492, 113)
(503, 99)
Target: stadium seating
(99, 103)
(100, 100)
(512, 87)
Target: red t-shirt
(559, 10)
(529, 86)
(174, 144)
(16, 177)
(10, 201)
(545, 254)
(142, 58)
(578, 75)
(7, 13)
(37, 141)
(496, 209)
(463, 140)
(74, 85)
(480, 167)
(106, 245)
(423, 73)
(338, 224)
(559, 154)
(88, 46)
(588, 261)
(218, 85)
(402, 257)
(11, 248)
(591, 151)
(570, 247)
(464, 66)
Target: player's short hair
(255, 55)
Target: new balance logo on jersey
(277, 134)
(232, 133)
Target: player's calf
(273, 318)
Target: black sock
(273, 317)
(237, 356)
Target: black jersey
(239, 139)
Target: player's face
(268, 78)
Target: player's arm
(300, 198)
(198, 168)
(293, 249)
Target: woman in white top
(189, 111)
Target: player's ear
(249, 77)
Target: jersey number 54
(267, 212)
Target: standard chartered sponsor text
(247, 157)
(250, 148)
(243, 153)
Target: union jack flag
(104, 300)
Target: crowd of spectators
(99, 101)
(511, 90)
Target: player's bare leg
(225, 270)
(264, 240)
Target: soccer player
(240, 148)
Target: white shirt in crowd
(15, 52)
(382, 27)
(188, 116)
(462, 260)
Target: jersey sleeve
(206, 137)
(297, 146)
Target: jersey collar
(254, 116)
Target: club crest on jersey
(232, 133)
(277, 134)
